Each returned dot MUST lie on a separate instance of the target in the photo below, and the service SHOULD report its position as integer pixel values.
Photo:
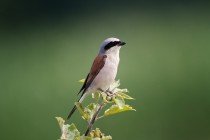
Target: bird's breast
(107, 74)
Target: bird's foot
(108, 92)
(101, 90)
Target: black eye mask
(112, 44)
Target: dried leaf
(68, 132)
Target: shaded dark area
(16, 13)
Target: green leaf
(96, 139)
(125, 96)
(124, 90)
(73, 132)
(96, 96)
(81, 110)
(82, 80)
(90, 110)
(68, 132)
(114, 85)
(61, 121)
(98, 135)
(65, 132)
(98, 132)
(106, 138)
(119, 101)
(104, 97)
(85, 138)
(114, 109)
(116, 90)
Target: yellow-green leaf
(114, 85)
(68, 132)
(125, 96)
(90, 111)
(81, 110)
(114, 109)
(119, 101)
(98, 135)
(61, 121)
(96, 96)
(82, 80)
(73, 132)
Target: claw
(108, 92)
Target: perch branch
(94, 119)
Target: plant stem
(99, 117)
(94, 119)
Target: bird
(103, 70)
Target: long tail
(75, 107)
(72, 112)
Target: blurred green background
(47, 46)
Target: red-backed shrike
(104, 69)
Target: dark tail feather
(75, 107)
(72, 112)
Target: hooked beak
(122, 43)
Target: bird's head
(111, 45)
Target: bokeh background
(47, 46)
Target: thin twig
(99, 117)
(94, 119)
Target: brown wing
(95, 69)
